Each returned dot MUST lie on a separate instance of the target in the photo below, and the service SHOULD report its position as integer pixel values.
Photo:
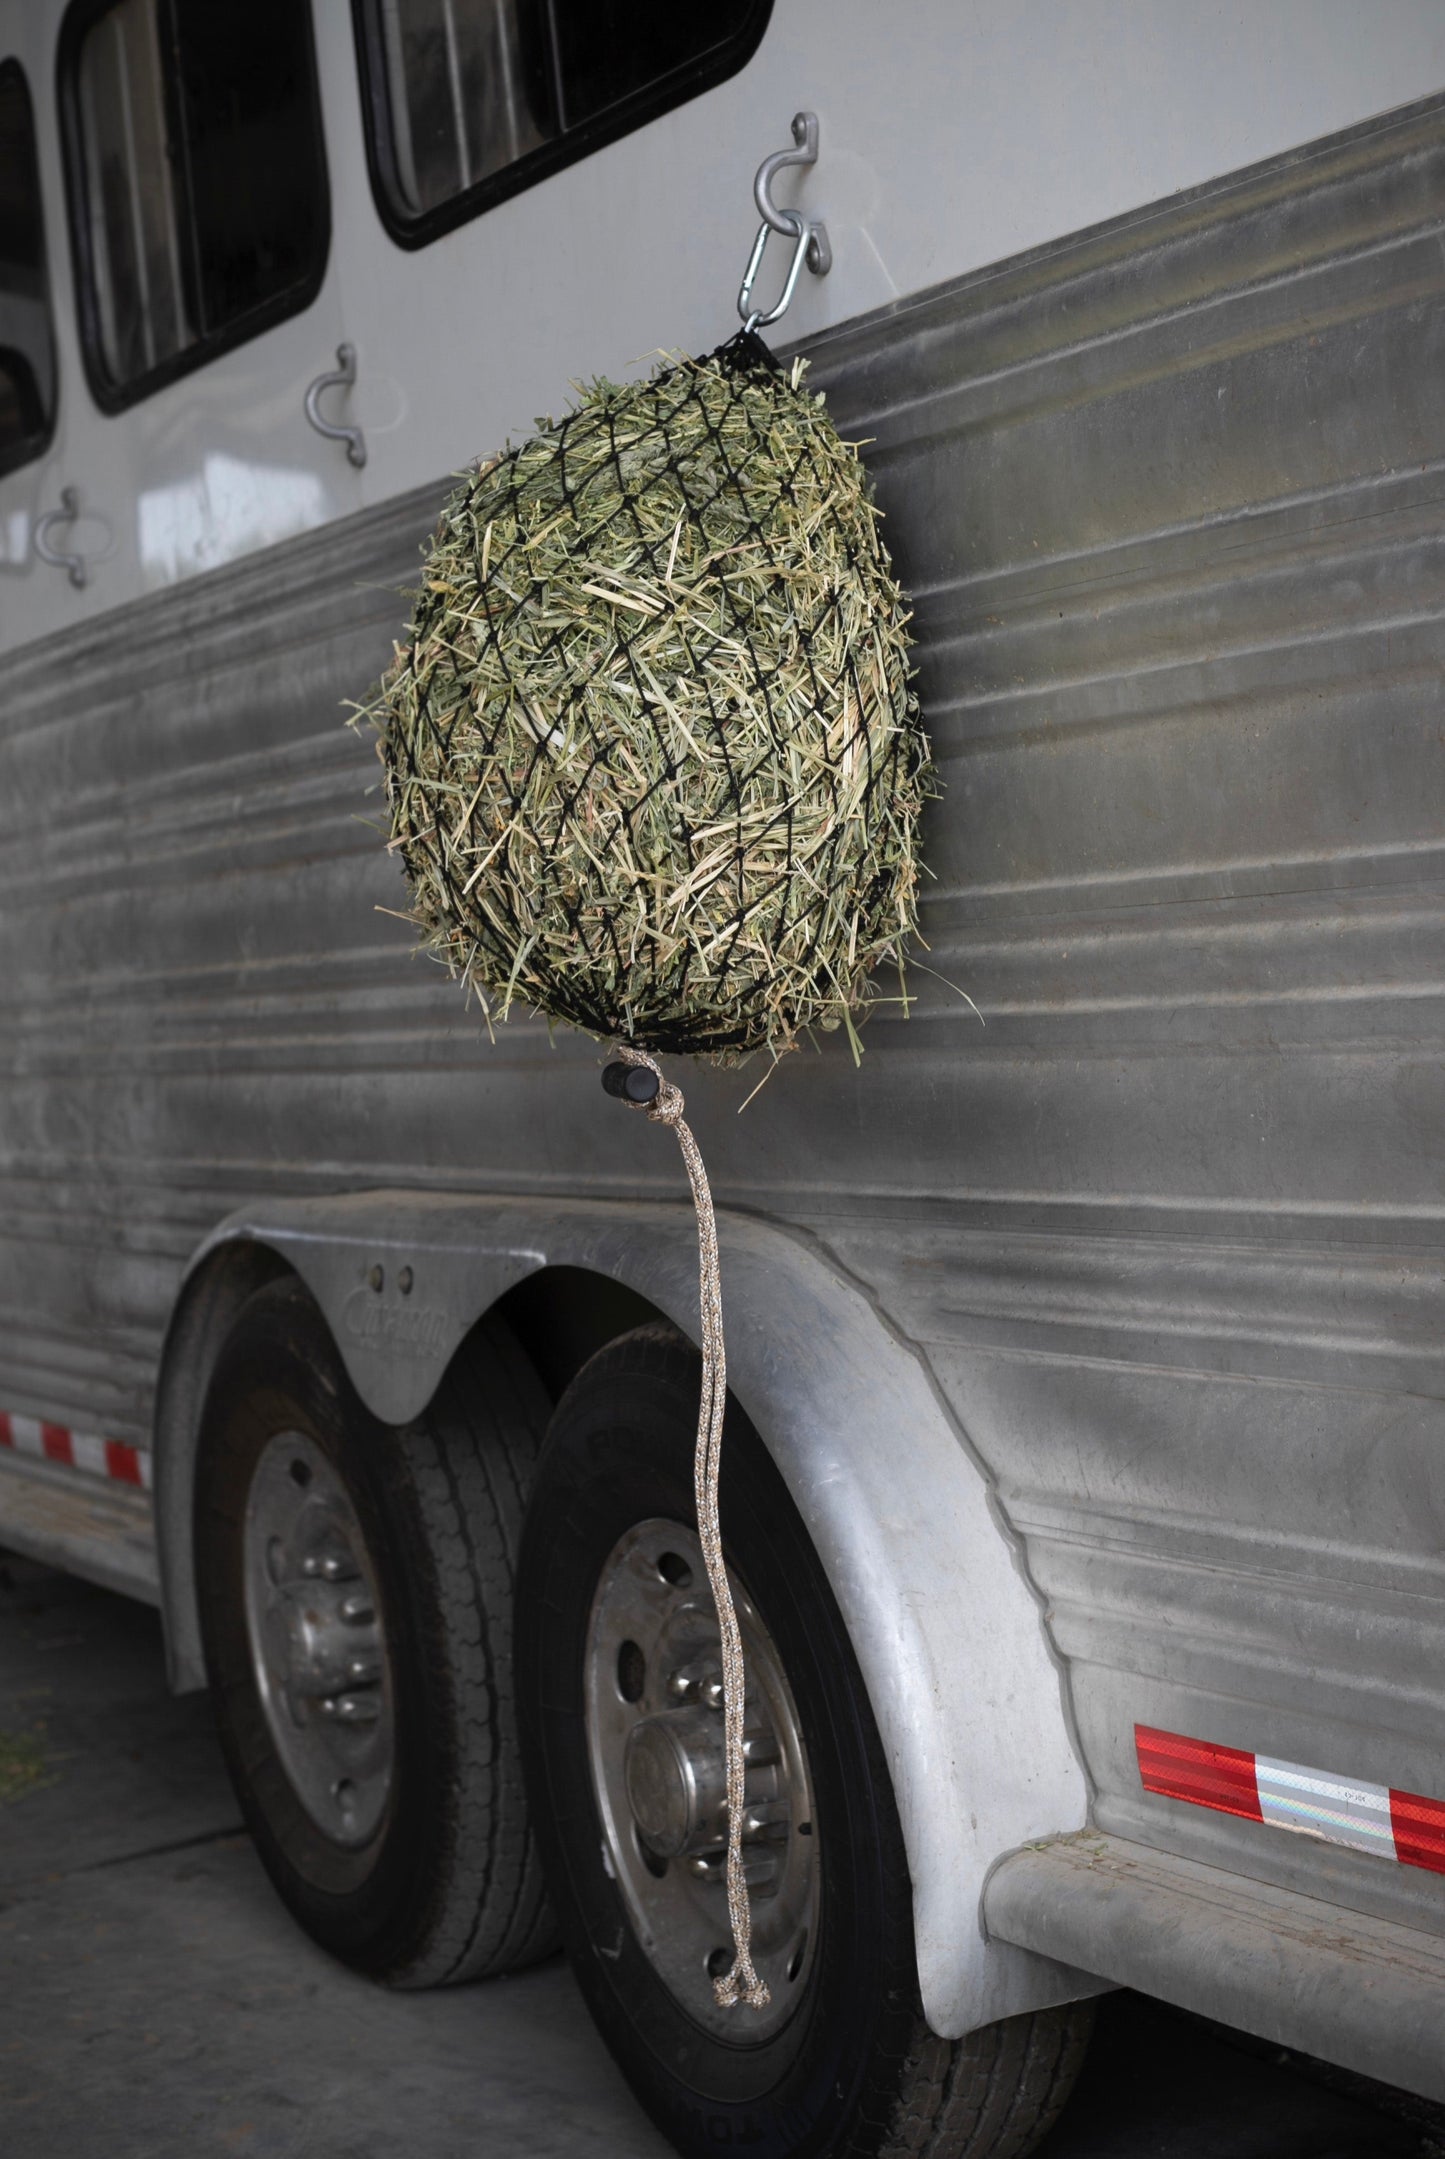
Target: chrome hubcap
(655, 1740)
(318, 1650)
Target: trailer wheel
(618, 1670)
(355, 1586)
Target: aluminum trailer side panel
(1169, 501)
(1167, 1228)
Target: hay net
(652, 756)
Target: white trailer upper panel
(954, 136)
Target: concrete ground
(157, 2003)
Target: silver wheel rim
(318, 1648)
(654, 1735)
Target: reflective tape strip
(1367, 1817)
(1419, 1826)
(87, 1452)
(127, 1465)
(1180, 1768)
(97, 1457)
(23, 1434)
(1341, 1810)
(55, 1442)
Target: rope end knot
(741, 1984)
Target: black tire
(449, 1886)
(855, 2071)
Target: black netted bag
(653, 759)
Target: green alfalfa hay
(652, 758)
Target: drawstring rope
(742, 1982)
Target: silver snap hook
(754, 318)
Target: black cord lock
(631, 1083)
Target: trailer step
(102, 1530)
(1364, 1993)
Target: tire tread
(470, 1464)
(453, 1887)
(994, 2094)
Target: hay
(652, 758)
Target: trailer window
(27, 343)
(197, 179)
(470, 100)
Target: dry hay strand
(652, 756)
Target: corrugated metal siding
(1170, 500)
(1169, 1224)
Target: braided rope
(742, 1982)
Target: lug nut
(760, 1869)
(332, 1567)
(765, 1814)
(697, 1683)
(351, 1708)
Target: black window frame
(34, 446)
(112, 396)
(623, 118)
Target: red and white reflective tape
(1402, 1826)
(111, 1458)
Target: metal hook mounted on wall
(67, 514)
(810, 235)
(805, 137)
(337, 430)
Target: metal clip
(809, 234)
(754, 318)
(337, 431)
(68, 512)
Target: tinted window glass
(468, 89)
(199, 197)
(27, 346)
(251, 141)
(470, 100)
(130, 195)
(608, 50)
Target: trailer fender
(947, 1629)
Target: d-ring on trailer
(1083, 1492)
